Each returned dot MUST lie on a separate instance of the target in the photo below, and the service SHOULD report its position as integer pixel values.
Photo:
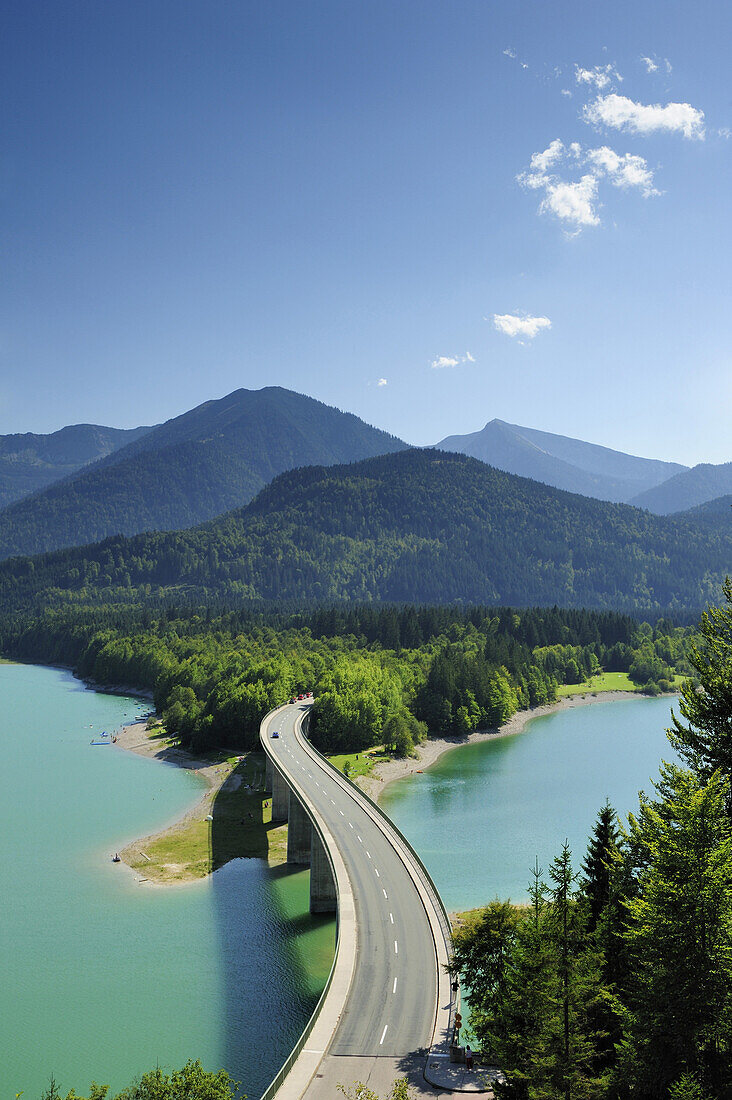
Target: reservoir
(482, 813)
(103, 978)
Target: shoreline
(430, 751)
(134, 737)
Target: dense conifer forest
(418, 527)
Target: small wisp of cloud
(602, 76)
(443, 361)
(521, 326)
(381, 382)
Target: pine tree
(705, 741)
(679, 1002)
(598, 863)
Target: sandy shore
(135, 737)
(432, 749)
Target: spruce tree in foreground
(678, 1004)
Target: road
(392, 1002)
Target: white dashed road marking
(383, 1034)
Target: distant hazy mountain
(420, 526)
(29, 462)
(194, 467)
(687, 489)
(561, 461)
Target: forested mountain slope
(192, 468)
(29, 462)
(561, 461)
(419, 526)
(688, 489)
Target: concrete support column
(322, 884)
(299, 832)
(268, 775)
(280, 796)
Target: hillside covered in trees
(191, 468)
(420, 526)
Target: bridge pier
(280, 796)
(299, 832)
(268, 769)
(323, 898)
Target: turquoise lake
(481, 815)
(102, 977)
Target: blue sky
(340, 198)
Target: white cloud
(724, 132)
(509, 52)
(602, 76)
(381, 382)
(621, 113)
(443, 361)
(541, 162)
(650, 64)
(669, 66)
(520, 324)
(566, 91)
(627, 170)
(574, 202)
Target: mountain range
(218, 456)
(563, 462)
(189, 469)
(30, 462)
(416, 526)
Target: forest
(615, 981)
(415, 526)
(380, 675)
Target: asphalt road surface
(390, 1009)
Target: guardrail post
(323, 897)
(280, 796)
(299, 832)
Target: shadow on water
(275, 956)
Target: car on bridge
(275, 733)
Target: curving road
(391, 1005)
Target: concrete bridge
(388, 1008)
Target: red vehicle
(301, 696)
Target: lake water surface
(483, 812)
(103, 978)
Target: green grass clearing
(361, 763)
(606, 681)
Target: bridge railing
(429, 882)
